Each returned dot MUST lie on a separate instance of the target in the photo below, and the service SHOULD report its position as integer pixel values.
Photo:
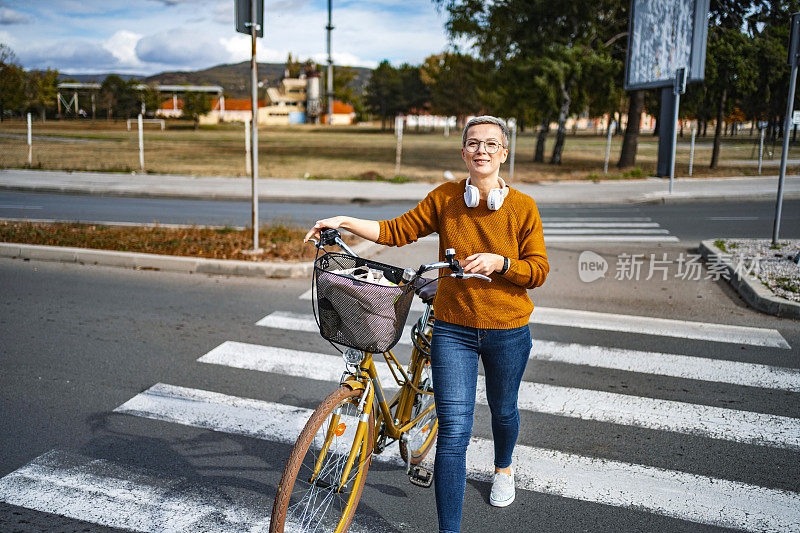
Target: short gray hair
(486, 119)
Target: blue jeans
(454, 363)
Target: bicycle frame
(366, 378)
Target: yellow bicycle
(324, 476)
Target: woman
(496, 231)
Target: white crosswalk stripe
(102, 492)
(664, 327)
(681, 495)
(680, 417)
(98, 491)
(589, 229)
(57, 485)
(107, 493)
(665, 364)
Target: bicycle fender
(353, 384)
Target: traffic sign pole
(678, 89)
(254, 27)
(249, 19)
(794, 48)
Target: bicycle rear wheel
(422, 435)
(311, 495)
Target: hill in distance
(234, 78)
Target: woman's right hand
(327, 223)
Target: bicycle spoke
(320, 501)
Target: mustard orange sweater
(513, 231)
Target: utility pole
(329, 27)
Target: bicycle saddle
(427, 291)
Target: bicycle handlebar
(329, 237)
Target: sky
(151, 36)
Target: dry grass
(278, 241)
(342, 152)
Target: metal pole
(30, 146)
(782, 176)
(674, 140)
(254, 123)
(398, 128)
(248, 169)
(513, 124)
(92, 106)
(141, 144)
(691, 152)
(760, 150)
(447, 126)
(611, 127)
(329, 27)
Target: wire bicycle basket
(360, 303)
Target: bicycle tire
(297, 494)
(421, 435)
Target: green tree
(12, 78)
(196, 104)
(414, 94)
(126, 99)
(769, 29)
(150, 96)
(728, 75)
(293, 67)
(455, 82)
(40, 89)
(570, 40)
(382, 93)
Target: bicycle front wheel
(314, 493)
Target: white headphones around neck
(472, 195)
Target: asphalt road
(80, 341)
(689, 222)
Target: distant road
(688, 221)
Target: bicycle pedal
(420, 476)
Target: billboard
(663, 36)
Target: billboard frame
(697, 54)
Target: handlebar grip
(327, 237)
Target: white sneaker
(503, 489)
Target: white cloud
(69, 56)
(223, 13)
(10, 16)
(122, 45)
(182, 49)
(140, 36)
(344, 58)
(7, 39)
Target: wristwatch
(506, 265)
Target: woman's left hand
(483, 263)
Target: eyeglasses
(492, 147)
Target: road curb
(111, 192)
(688, 198)
(167, 263)
(750, 288)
